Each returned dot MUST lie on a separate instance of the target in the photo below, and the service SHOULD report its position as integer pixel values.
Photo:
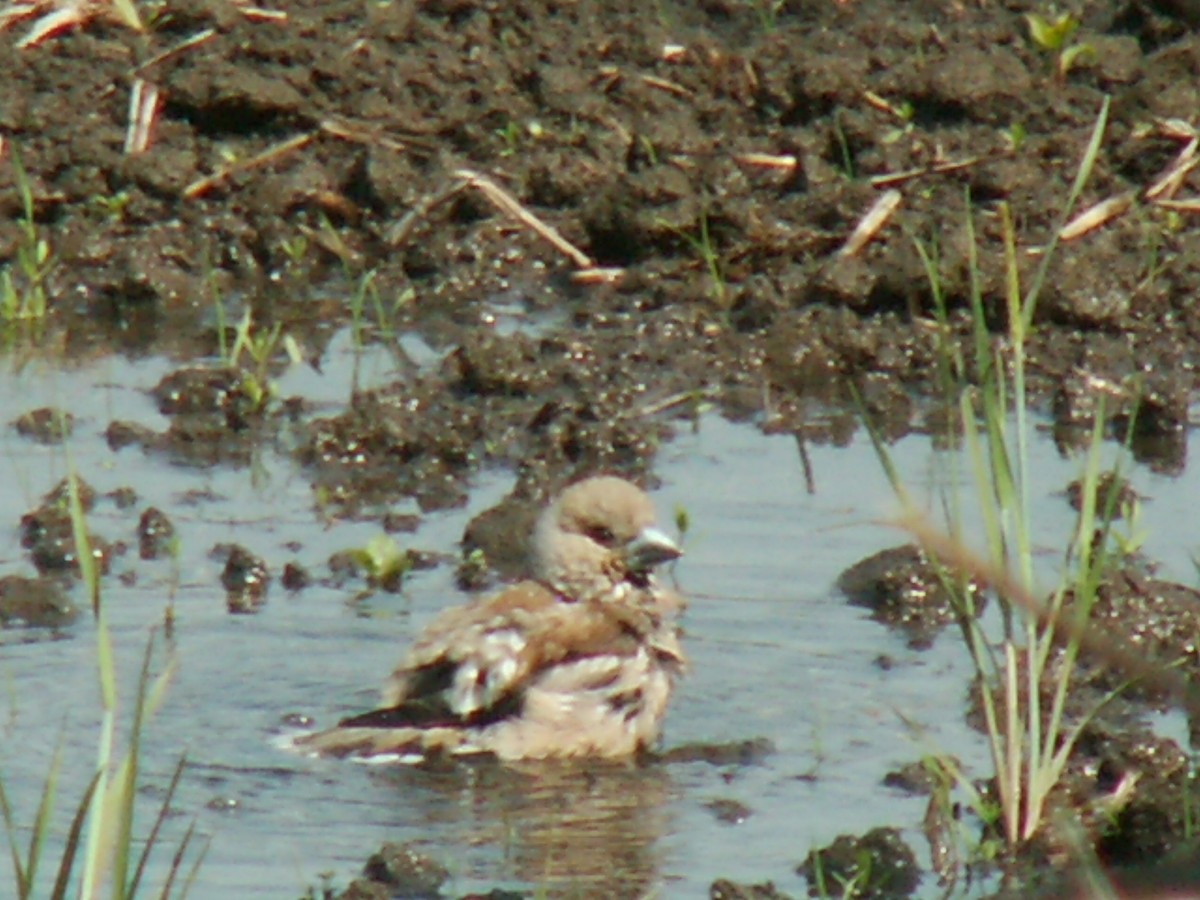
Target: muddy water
(777, 655)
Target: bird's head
(600, 538)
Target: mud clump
(1114, 496)
(488, 544)
(729, 811)
(156, 534)
(398, 870)
(218, 416)
(1160, 619)
(48, 533)
(295, 577)
(554, 408)
(724, 889)
(34, 603)
(206, 392)
(46, 425)
(394, 443)
(245, 578)
(904, 589)
(878, 864)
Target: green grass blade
(126, 782)
(195, 870)
(10, 829)
(98, 836)
(152, 840)
(67, 863)
(880, 447)
(41, 826)
(177, 861)
(1081, 178)
(88, 570)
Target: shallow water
(777, 654)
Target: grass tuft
(1023, 685)
(23, 291)
(102, 842)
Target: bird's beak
(649, 549)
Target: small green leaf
(384, 562)
(1072, 55)
(1016, 135)
(1051, 34)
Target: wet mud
(697, 170)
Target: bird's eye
(601, 535)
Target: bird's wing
(473, 660)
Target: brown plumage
(579, 660)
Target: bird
(578, 660)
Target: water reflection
(591, 828)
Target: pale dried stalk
(270, 155)
(258, 14)
(1177, 129)
(598, 275)
(403, 230)
(1169, 183)
(144, 104)
(508, 204)
(1095, 216)
(875, 101)
(786, 162)
(669, 86)
(1188, 206)
(870, 224)
(57, 16)
(940, 168)
(367, 134)
(171, 52)
(49, 25)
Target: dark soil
(637, 132)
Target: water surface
(777, 654)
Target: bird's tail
(406, 744)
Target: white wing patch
(489, 672)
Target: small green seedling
(768, 13)
(295, 248)
(260, 347)
(1016, 134)
(904, 113)
(25, 297)
(384, 562)
(1054, 36)
(510, 134)
(111, 207)
(705, 248)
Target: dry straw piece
(268, 156)
(508, 204)
(870, 224)
(1095, 216)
